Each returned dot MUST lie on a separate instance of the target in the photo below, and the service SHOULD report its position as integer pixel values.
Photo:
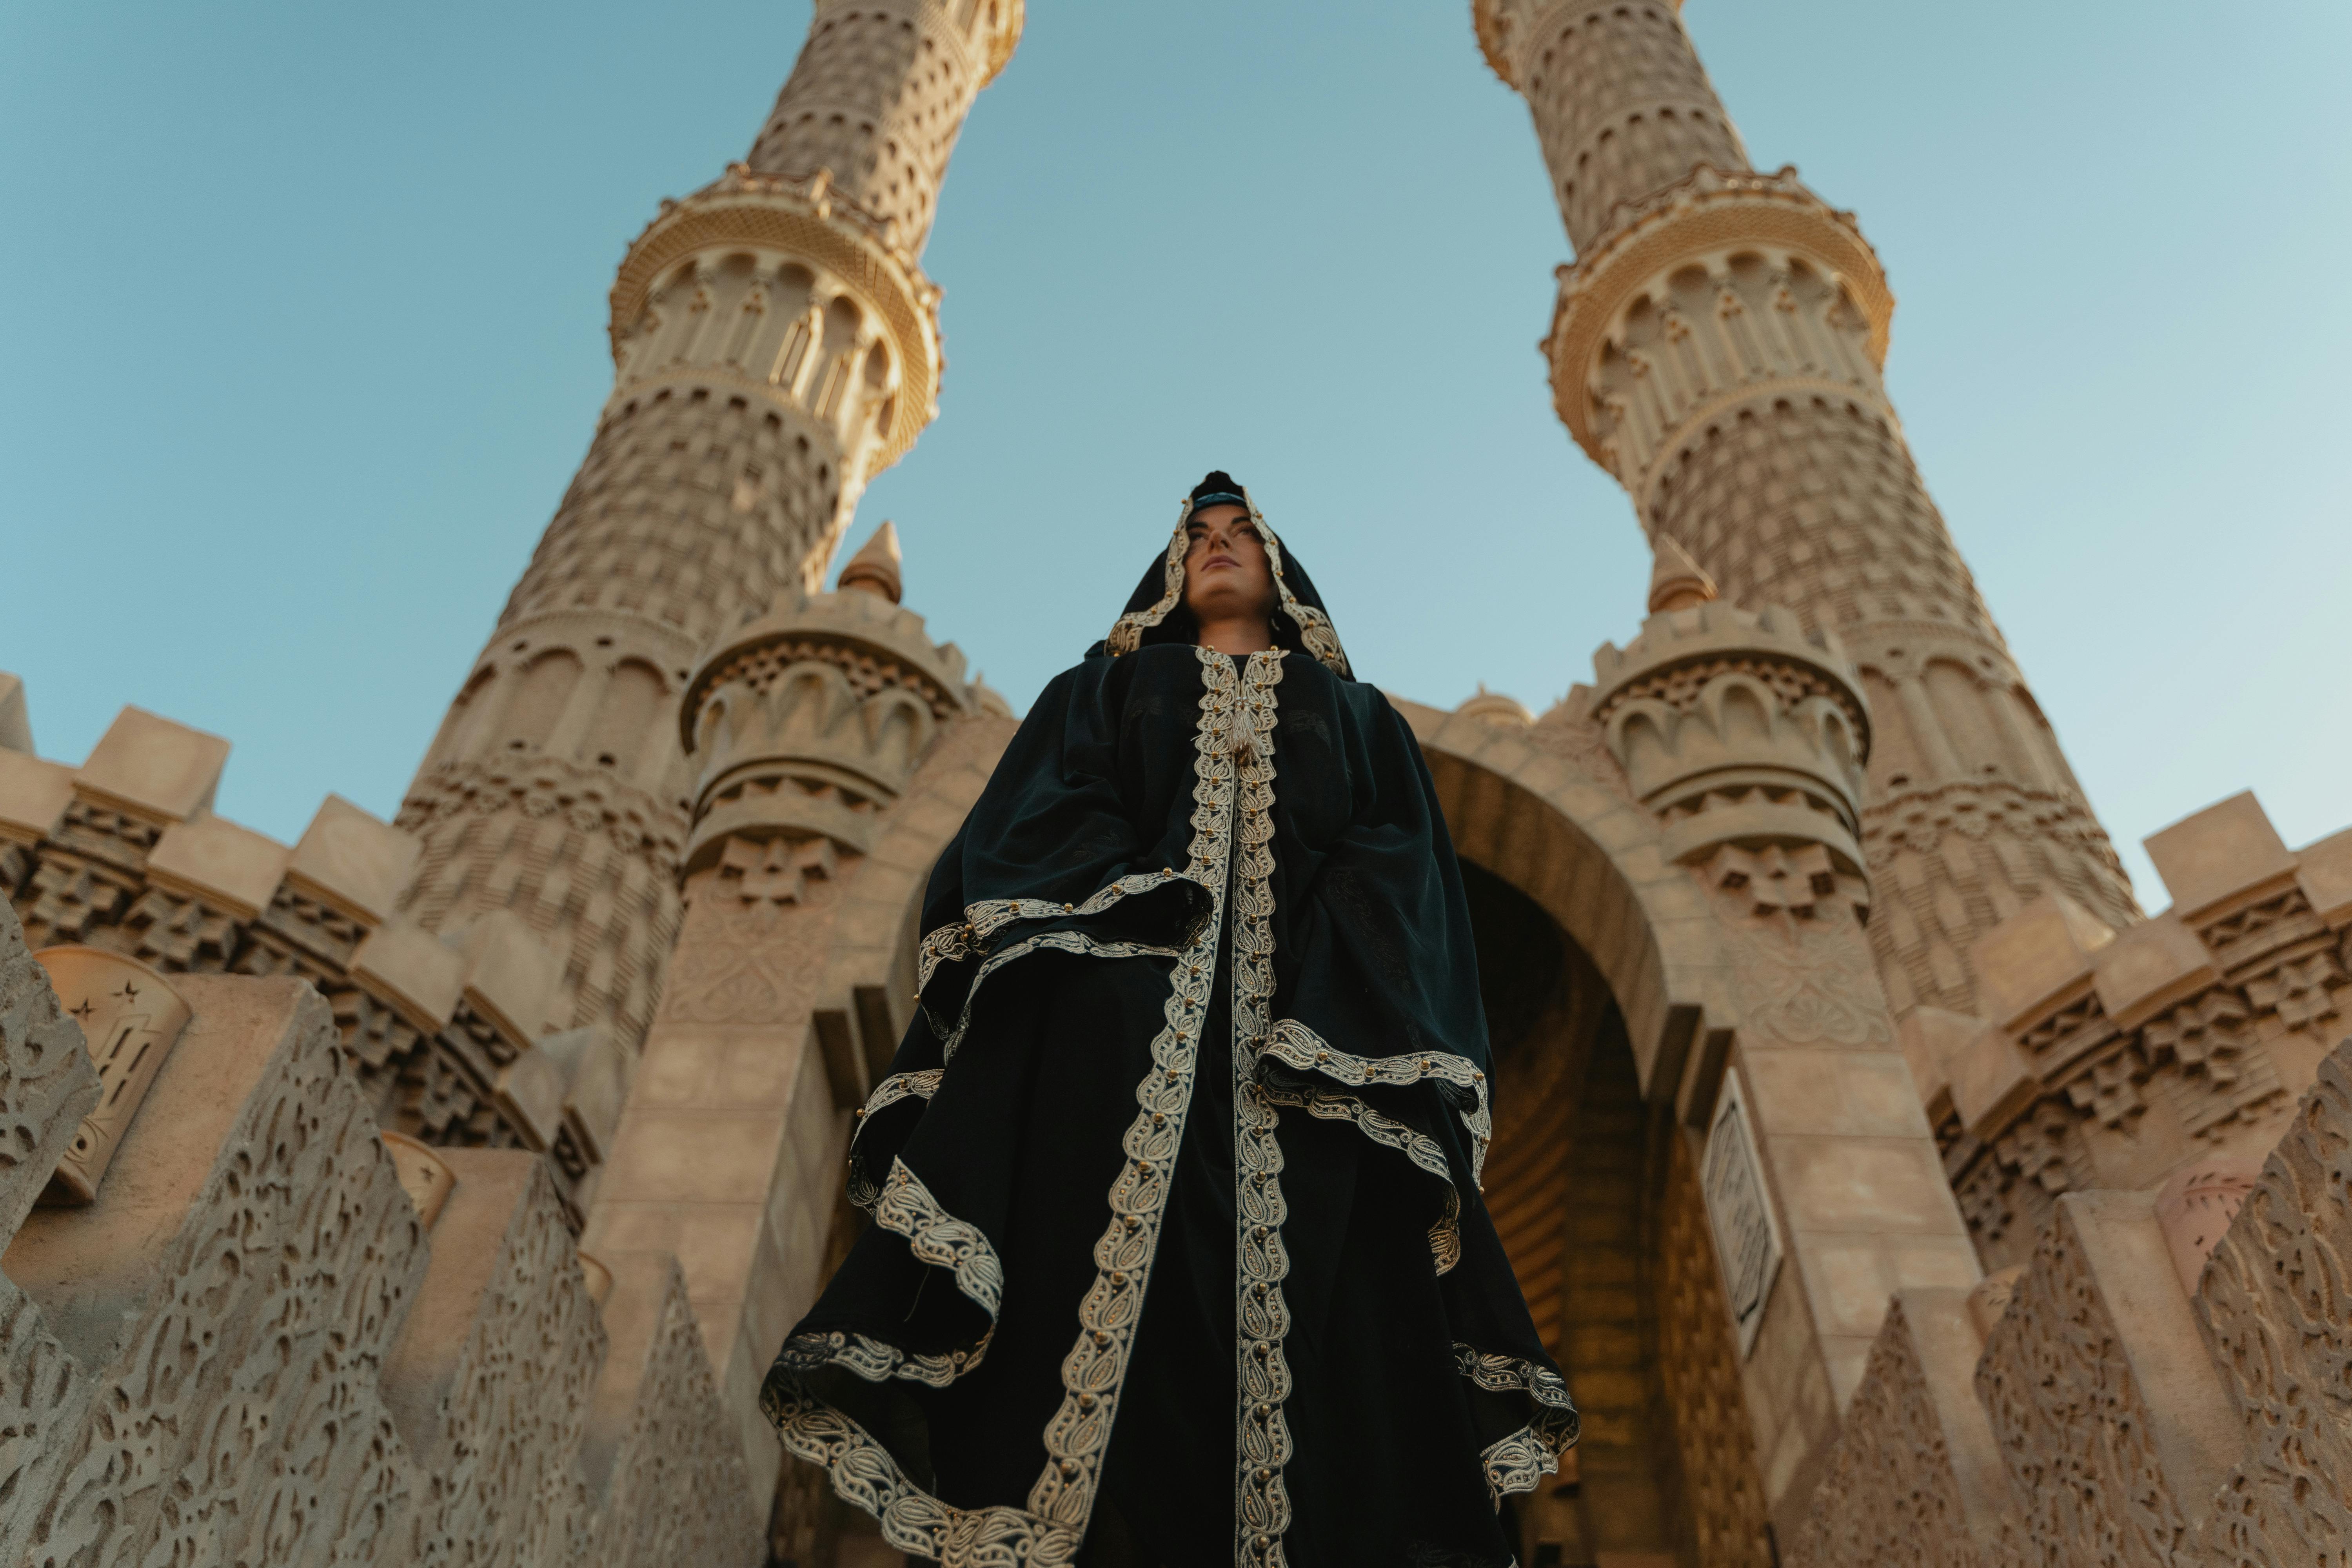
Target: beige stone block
(16, 720)
(1928, 1038)
(2035, 958)
(2324, 872)
(694, 1155)
(1992, 1081)
(597, 1069)
(1862, 1185)
(230, 867)
(1848, 1281)
(352, 861)
(413, 971)
(530, 1092)
(1805, 1089)
(33, 796)
(2225, 848)
(510, 975)
(1847, 1357)
(2150, 966)
(153, 766)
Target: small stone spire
(1676, 582)
(874, 567)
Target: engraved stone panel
(1747, 1234)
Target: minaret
(776, 345)
(1717, 346)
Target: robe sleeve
(1060, 851)
(1382, 998)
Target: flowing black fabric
(1179, 1255)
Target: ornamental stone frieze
(273, 1334)
(460, 1044)
(2119, 1059)
(807, 722)
(1725, 287)
(1748, 736)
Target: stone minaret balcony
(776, 345)
(1717, 346)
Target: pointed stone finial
(874, 567)
(1676, 582)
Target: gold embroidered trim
(862, 1192)
(1337, 1105)
(862, 1470)
(1517, 1463)
(1095, 1371)
(899, 1086)
(1262, 1444)
(1460, 1080)
(1316, 632)
(939, 1238)
(1076, 942)
(864, 1473)
(945, 945)
(878, 1362)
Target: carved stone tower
(776, 345)
(1717, 346)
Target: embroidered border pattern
(878, 1362)
(1463, 1084)
(946, 944)
(862, 1470)
(1316, 632)
(1076, 942)
(1337, 1105)
(1517, 1463)
(1095, 1371)
(1262, 1444)
(939, 1238)
(864, 1473)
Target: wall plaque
(130, 1018)
(1739, 1210)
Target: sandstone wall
(2124, 1397)
(253, 1347)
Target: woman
(1178, 1254)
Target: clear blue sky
(308, 307)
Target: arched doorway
(1593, 1183)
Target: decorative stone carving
(2168, 1044)
(425, 1176)
(131, 1018)
(2101, 1395)
(1739, 1213)
(807, 724)
(1744, 733)
(1912, 1479)
(2276, 1302)
(2197, 1205)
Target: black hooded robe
(1178, 1254)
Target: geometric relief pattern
(2072, 1424)
(2276, 1302)
(589, 863)
(1890, 1495)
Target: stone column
(1717, 346)
(776, 344)
(1746, 733)
(812, 834)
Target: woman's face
(1226, 574)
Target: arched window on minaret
(632, 707)
(546, 683)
